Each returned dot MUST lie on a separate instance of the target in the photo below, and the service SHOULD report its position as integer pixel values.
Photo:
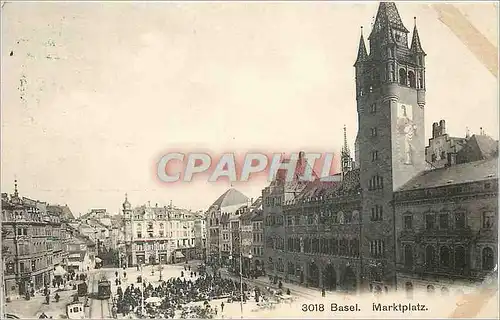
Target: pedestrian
(280, 285)
(323, 293)
(124, 274)
(288, 291)
(222, 306)
(216, 310)
(116, 274)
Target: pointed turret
(388, 16)
(416, 46)
(362, 53)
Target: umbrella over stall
(59, 271)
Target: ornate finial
(345, 136)
(415, 21)
(361, 30)
(15, 188)
(467, 133)
(126, 196)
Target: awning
(179, 254)
(97, 259)
(59, 271)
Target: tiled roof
(63, 211)
(456, 174)
(318, 188)
(229, 198)
(487, 145)
(388, 14)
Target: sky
(93, 94)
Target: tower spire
(16, 193)
(416, 46)
(345, 156)
(387, 17)
(362, 53)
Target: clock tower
(390, 95)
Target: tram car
(82, 289)
(104, 289)
(75, 310)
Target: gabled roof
(478, 147)
(64, 212)
(231, 197)
(486, 145)
(455, 174)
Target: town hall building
(404, 215)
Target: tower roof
(362, 53)
(230, 198)
(416, 46)
(388, 16)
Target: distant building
(158, 234)
(223, 224)
(33, 240)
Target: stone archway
(349, 282)
(313, 274)
(330, 278)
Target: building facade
(258, 239)
(158, 234)
(351, 235)
(222, 220)
(446, 226)
(33, 240)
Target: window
(411, 79)
(377, 213)
(443, 155)
(376, 182)
(139, 234)
(408, 256)
(488, 220)
(444, 257)
(377, 248)
(430, 259)
(488, 259)
(354, 247)
(460, 220)
(373, 132)
(408, 222)
(374, 155)
(429, 221)
(443, 221)
(433, 157)
(373, 108)
(460, 258)
(402, 77)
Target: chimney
(443, 127)
(434, 129)
(301, 159)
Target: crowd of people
(179, 295)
